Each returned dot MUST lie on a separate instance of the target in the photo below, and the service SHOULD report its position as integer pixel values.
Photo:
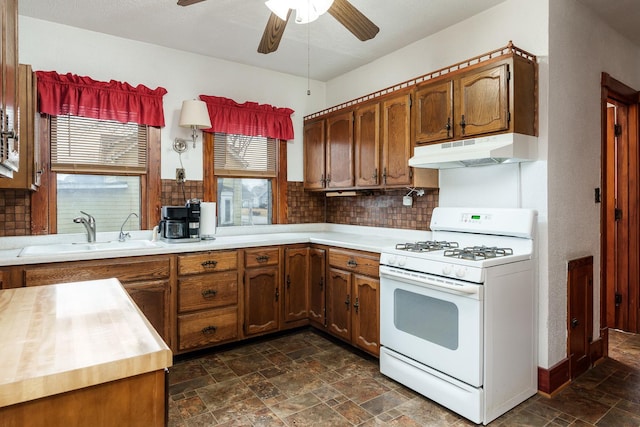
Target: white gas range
(458, 312)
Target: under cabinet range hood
(483, 151)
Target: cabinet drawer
(207, 327)
(261, 257)
(358, 262)
(208, 262)
(124, 269)
(207, 291)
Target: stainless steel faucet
(124, 236)
(89, 223)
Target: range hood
(483, 151)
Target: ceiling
(231, 29)
(621, 15)
(322, 50)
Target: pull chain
(308, 59)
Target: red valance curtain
(60, 94)
(250, 118)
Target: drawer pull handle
(209, 330)
(262, 258)
(209, 264)
(209, 293)
(352, 263)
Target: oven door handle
(411, 277)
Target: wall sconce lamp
(194, 115)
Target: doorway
(620, 215)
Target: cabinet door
(484, 101)
(9, 147)
(433, 112)
(366, 308)
(317, 264)
(396, 140)
(314, 152)
(339, 303)
(295, 284)
(261, 300)
(28, 175)
(367, 145)
(152, 298)
(339, 161)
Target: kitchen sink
(67, 248)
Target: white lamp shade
(194, 114)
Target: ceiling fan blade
(353, 20)
(188, 2)
(273, 33)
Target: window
(245, 170)
(99, 168)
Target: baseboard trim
(552, 380)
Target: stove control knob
(391, 259)
(402, 261)
(460, 272)
(447, 269)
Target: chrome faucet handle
(89, 217)
(124, 236)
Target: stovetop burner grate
(426, 246)
(478, 252)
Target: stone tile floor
(305, 379)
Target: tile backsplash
(379, 209)
(15, 213)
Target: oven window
(431, 319)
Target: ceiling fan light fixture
(279, 7)
(310, 10)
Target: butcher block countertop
(70, 336)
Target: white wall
(49, 46)
(581, 48)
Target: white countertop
(372, 239)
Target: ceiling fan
(307, 11)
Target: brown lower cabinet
(207, 299)
(261, 291)
(202, 299)
(352, 298)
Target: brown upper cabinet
(339, 145)
(9, 129)
(495, 96)
(314, 155)
(366, 147)
(30, 170)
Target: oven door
(433, 320)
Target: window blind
(244, 156)
(81, 144)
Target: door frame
(612, 89)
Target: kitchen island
(79, 354)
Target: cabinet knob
(348, 301)
(288, 281)
(277, 294)
(356, 305)
(448, 127)
(352, 263)
(262, 258)
(463, 124)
